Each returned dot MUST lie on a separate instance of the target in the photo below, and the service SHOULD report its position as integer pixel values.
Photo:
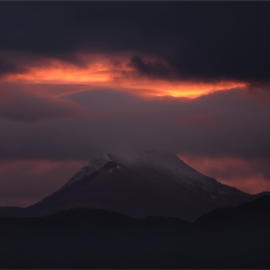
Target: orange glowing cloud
(115, 72)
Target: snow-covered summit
(92, 166)
(169, 163)
(156, 160)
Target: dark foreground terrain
(236, 237)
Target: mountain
(252, 214)
(239, 236)
(148, 183)
(235, 237)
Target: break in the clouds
(79, 78)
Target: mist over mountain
(138, 184)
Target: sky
(79, 78)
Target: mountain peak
(159, 161)
(103, 162)
(99, 160)
(142, 183)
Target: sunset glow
(105, 73)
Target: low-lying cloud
(227, 125)
(230, 123)
(20, 105)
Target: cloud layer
(202, 41)
(228, 128)
(18, 104)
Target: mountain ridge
(92, 238)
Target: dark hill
(89, 238)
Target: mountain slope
(252, 213)
(145, 184)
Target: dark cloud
(6, 67)
(205, 41)
(18, 104)
(228, 123)
(152, 68)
